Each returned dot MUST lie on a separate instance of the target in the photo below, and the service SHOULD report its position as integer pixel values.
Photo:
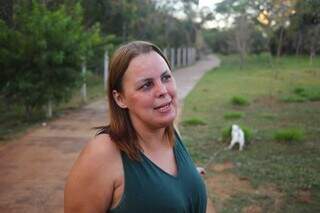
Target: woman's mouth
(164, 108)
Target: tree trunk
(49, 109)
(280, 42)
(312, 54)
(299, 42)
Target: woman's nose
(161, 89)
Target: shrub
(193, 122)
(239, 101)
(299, 91)
(288, 135)
(233, 115)
(314, 97)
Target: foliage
(239, 101)
(289, 135)
(140, 20)
(41, 56)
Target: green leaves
(42, 55)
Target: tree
(41, 57)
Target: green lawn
(279, 104)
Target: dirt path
(34, 167)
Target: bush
(226, 134)
(239, 101)
(314, 97)
(288, 135)
(299, 91)
(193, 122)
(233, 115)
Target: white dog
(237, 137)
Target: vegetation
(193, 122)
(289, 172)
(44, 45)
(233, 115)
(279, 27)
(239, 101)
(289, 135)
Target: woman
(137, 163)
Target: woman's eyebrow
(164, 73)
(143, 80)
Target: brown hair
(120, 128)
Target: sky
(210, 24)
(211, 4)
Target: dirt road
(34, 167)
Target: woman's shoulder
(99, 151)
(94, 174)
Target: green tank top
(149, 189)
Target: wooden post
(179, 57)
(84, 84)
(49, 107)
(172, 58)
(165, 52)
(106, 68)
(184, 55)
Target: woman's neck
(152, 140)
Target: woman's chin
(167, 122)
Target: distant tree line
(280, 27)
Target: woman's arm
(90, 184)
(210, 208)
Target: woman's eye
(146, 85)
(166, 78)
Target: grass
(239, 101)
(14, 122)
(290, 168)
(288, 135)
(301, 94)
(193, 122)
(233, 115)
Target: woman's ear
(118, 97)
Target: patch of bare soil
(252, 209)
(222, 167)
(224, 185)
(304, 196)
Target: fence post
(84, 84)
(193, 50)
(179, 57)
(49, 107)
(165, 52)
(172, 58)
(184, 54)
(106, 68)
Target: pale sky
(220, 21)
(211, 5)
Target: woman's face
(149, 92)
